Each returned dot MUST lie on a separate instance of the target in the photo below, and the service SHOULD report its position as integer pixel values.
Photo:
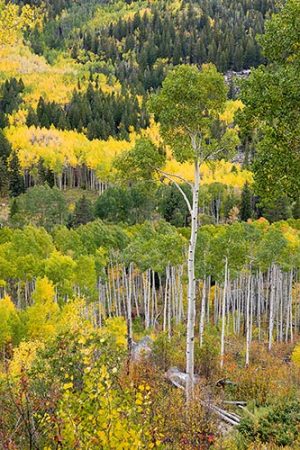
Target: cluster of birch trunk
(70, 177)
(254, 305)
(255, 302)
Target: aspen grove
(149, 225)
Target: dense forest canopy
(139, 43)
(149, 224)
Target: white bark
(202, 315)
(128, 281)
(248, 321)
(271, 311)
(190, 338)
(224, 314)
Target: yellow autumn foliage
(14, 20)
(296, 355)
(41, 317)
(23, 357)
(61, 149)
(232, 106)
(53, 82)
(8, 317)
(106, 14)
(221, 172)
(71, 317)
(116, 328)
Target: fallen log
(179, 379)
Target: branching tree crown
(188, 108)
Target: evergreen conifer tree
(83, 212)
(4, 154)
(296, 209)
(16, 181)
(246, 203)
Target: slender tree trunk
(271, 311)
(190, 339)
(129, 314)
(224, 314)
(248, 320)
(202, 315)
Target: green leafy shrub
(279, 425)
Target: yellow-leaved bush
(296, 355)
(8, 320)
(23, 357)
(40, 318)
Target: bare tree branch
(169, 177)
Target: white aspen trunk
(281, 303)
(99, 302)
(169, 299)
(153, 300)
(174, 294)
(135, 295)
(202, 315)
(224, 314)
(109, 297)
(248, 321)
(129, 311)
(114, 293)
(234, 302)
(19, 295)
(180, 289)
(259, 292)
(271, 308)
(191, 312)
(165, 304)
(291, 304)
(216, 304)
(238, 326)
(252, 307)
(228, 300)
(208, 287)
(148, 297)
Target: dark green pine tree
(278, 209)
(16, 181)
(14, 208)
(5, 150)
(83, 212)
(3, 178)
(246, 210)
(296, 209)
(176, 52)
(32, 118)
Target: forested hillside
(149, 224)
(137, 41)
